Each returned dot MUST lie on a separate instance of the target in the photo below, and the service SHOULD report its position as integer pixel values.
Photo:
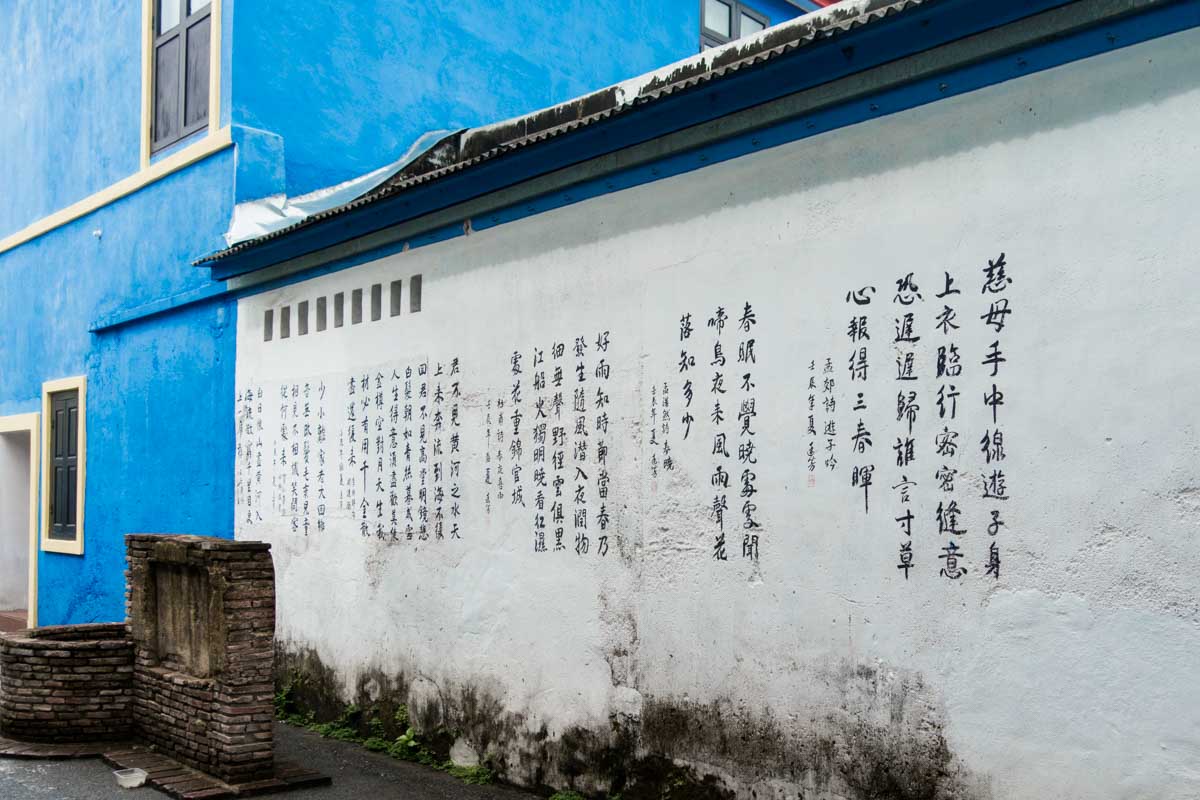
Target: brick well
(67, 683)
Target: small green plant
(479, 776)
(285, 700)
(343, 729)
(408, 746)
(568, 795)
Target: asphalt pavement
(357, 773)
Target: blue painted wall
(160, 451)
(79, 106)
(350, 85)
(160, 392)
(314, 92)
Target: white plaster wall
(1072, 676)
(14, 520)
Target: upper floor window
(725, 20)
(182, 35)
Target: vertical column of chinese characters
(258, 453)
(908, 294)
(811, 429)
(342, 502)
(829, 406)
(947, 373)
(380, 439)
(409, 420)
(541, 424)
(558, 444)
(322, 442)
(580, 448)
(393, 455)
(668, 461)
(364, 455)
(687, 362)
(516, 446)
(653, 431)
(720, 448)
(295, 457)
(501, 432)
(487, 458)
(862, 475)
(423, 451)
(455, 449)
(244, 463)
(603, 372)
(348, 475)
(995, 491)
(439, 452)
(307, 435)
(747, 411)
(279, 458)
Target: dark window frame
(711, 38)
(181, 31)
(63, 488)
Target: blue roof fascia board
(887, 40)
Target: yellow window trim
(79, 383)
(215, 139)
(21, 423)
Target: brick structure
(191, 671)
(202, 622)
(67, 684)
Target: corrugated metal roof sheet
(474, 146)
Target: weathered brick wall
(174, 712)
(67, 683)
(204, 676)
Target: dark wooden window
(182, 32)
(64, 465)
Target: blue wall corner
(258, 164)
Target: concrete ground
(357, 775)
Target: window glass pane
(166, 90)
(750, 25)
(168, 15)
(716, 16)
(196, 5)
(195, 104)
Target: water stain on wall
(883, 741)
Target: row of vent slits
(321, 321)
